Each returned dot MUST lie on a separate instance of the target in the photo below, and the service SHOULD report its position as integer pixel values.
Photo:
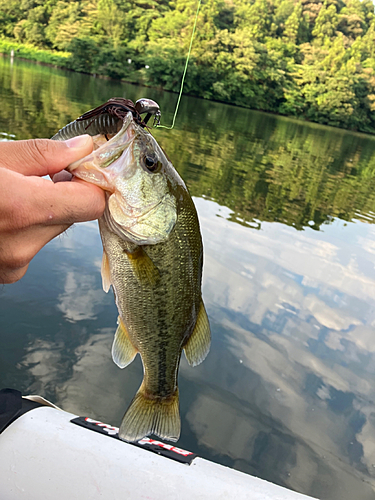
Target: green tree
(308, 58)
(256, 17)
(326, 23)
(64, 24)
(292, 26)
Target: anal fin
(198, 344)
(123, 351)
(106, 276)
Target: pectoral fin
(143, 267)
(123, 351)
(106, 277)
(198, 344)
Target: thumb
(43, 156)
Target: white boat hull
(45, 456)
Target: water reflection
(287, 392)
(90, 383)
(296, 312)
(264, 168)
(80, 298)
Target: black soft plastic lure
(108, 118)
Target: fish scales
(160, 316)
(152, 257)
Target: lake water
(287, 392)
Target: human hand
(34, 210)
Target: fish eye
(152, 164)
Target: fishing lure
(108, 118)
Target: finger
(21, 247)
(78, 201)
(30, 201)
(63, 202)
(9, 276)
(43, 156)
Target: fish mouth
(93, 168)
(149, 223)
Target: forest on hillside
(311, 59)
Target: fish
(152, 258)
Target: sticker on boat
(164, 449)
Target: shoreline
(61, 56)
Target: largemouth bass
(152, 257)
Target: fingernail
(80, 141)
(62, 176)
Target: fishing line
(185, 70)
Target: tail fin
(159, 416)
